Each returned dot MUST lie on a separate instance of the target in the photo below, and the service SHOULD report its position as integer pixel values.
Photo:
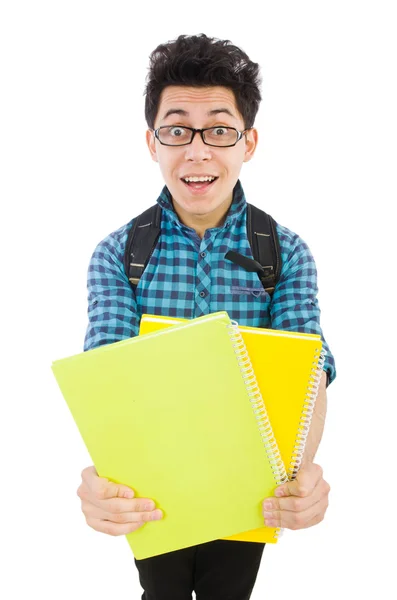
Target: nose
(197, 150)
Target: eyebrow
(184, 113)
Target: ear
(150, 140)
(251, 142)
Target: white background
(75, 167)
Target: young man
(197, 83)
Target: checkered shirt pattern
(189, 277)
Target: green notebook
(177, 416)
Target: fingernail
(129, 494)
(279, 493)
(270, 522)
(149, 505)
(268, 505)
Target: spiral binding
(264, 426)
(307, 413)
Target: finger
(115, 505)
(301, 520)
(135, 517)
(113, 528)
(296, 503)
(315, 521)
(306, 480)
(93, 512)
(120, 505)
(292, 520)
(317, 518)
(102, 487)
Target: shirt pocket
(257, 292)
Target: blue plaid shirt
(188, 277)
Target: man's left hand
(299, 503)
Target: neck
(200, 223)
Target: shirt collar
(236, 208)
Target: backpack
(261, 233)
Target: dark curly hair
(201, 61)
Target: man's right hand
(108, 508)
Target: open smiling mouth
(199, 186)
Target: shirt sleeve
(294, 304)
(112, 308)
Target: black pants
(218, 570)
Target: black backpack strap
(265, 246)
(141, 242)
(261, 231)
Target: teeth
(199, 178)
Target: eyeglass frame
(194, 131)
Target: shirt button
(202, 294)
(202, 254)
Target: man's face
(198, 158)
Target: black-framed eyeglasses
(176, 135)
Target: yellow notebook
(288, 367)
(177, 416)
